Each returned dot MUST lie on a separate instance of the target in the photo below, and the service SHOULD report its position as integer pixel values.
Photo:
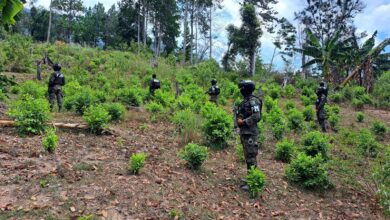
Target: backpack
(156, 84)
(217, 90)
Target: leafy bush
(382, 179)
(16, 53)
(275, 92)
(334, 121)
(308, 113)
(336, 97)
(136, 162)
(285, 150)
(358, 104)
(270, 103)
(379, 128)
(289, 91)
(278, 131)
(306, 91)
(218, 128)
(360, 116)
(97, 118)
(33, 89)
(194, 155)
(82, 100)
(306, 100)
(276, 119)
(295, 120)
(31, 115)
(290, 105)
(188, 124)
(166, 99)
(131, 96)
(314, 143)
(382, 90)
(50, 141)
(366, 144)
(256, 181)
(239, 150)
(310, 172)
(116, 111)
(2, 95)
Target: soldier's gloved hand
(240, 122)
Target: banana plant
(8, 10)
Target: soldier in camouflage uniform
(322, 94)
(154, 84)
(248, 114)
(56, 81)
(213, 91)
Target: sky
(376, 16)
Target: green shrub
(382, 179)
(50, 141)
(336, 97)
(97, 118)
(275, 92)
(15, 89)
(239, 150)
(314, 143)
(194, 155)
(358, 104)
(2, 95)
(306, 91)
(379, 128)
(136, 162)
(310, 172)
(32, 89)
(306, 101)
(256, 181)
(347, 93)
(334, 121)
(31, 115)
(270, 103)
(116, 111)
(382, 90)
(308, 113)
(188, 124)
(166, 99)
(366, 144)
(289, 91)
(82, 100)
(71, 88)
(360, 116)
(278, 131)
(290, 105)
(285, 150)
(295, 120)
(131, 96)
(276, 119)
(218, 128)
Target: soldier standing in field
(56, 81)
(322, 94)
(213, 91)
(248, 114)
(154, 84)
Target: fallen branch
(11, 123)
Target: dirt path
(88, 175)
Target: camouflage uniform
(213, 93)
(56, 81)
(250, 112)
(322, 93)
(154, 85)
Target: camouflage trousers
(321, 118)
(53, 94)
(251, 147)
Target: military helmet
(322, 83)
(56, 67)
(246, 87)
(213, 81)
(154, 75)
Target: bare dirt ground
(88, 175)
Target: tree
(8, 10)
(127, 21)
(71, 9)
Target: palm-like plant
(325, 54)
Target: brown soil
(88, 175)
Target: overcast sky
(376, 16)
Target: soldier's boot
(323, 125)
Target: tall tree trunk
(49, 28)
(210, 33)
(196, 37)
(192, 33)
(272, 61)
(252, 64)
(145, 22)
(139, 27)
(70, 20)
(185, 32)
(304, 69)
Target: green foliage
(175, 214)
(382, 90)
(270, 103)
(275, 92)
(218, 128)
(306, 91)
(278, 131)
(277, 121)
(306, 101)
(50, 141)
(314, 143)
(2, 95)
(194, 155)
(31, 114)
(360, 116)
(188, 124)
(81, 100)
(256, 181)
(366, 144)
(116, 111)
(131, 96)
(358, 104)
(289, 91)
(379, 128)
(43, 183)
(166, 99)
(136, 162)
(310, 172)
(239, 150)
(382, 179)
(285, 150)
(97, 118)
(336, 97)
(308, 113)
(295, 120)
(32, 89)
(15, 49)
(290, 105)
